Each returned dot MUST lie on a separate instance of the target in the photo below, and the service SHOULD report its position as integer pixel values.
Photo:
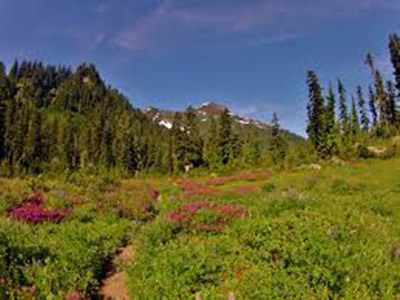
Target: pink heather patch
(185, 216)
(178, 218)
(33, 212)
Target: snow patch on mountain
(205, 111)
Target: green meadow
(311, 234)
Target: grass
(329, 234)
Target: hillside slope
(208, 111)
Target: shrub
(340, 186)
(268, 188)
(50, 261)
(206, 216)
(296, 254)
(364, 153)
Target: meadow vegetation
(300, 233)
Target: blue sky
(249, 55)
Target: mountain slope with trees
(55, 119)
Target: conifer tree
(194, 141)
(252, 150)
(211, 148)
(332, 130)
(167, 161)
(14, 72)
(315, 107)
(391, 104)
(55, 137)
(4, 98)
(226, 141)
(372, 107)
(362, 110)
(69, 145)
(179, 143)
(10, 133)
(343, 114)
(355, 122)
(106, 144)
(278, 146)
(382, 100)
(380, 92)
(394, 47)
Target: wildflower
(33, 212)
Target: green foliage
(362, 110)
(57, 120)
(330, 244)
(343, 116)
(315, 108)
(57, 259)
(354, 127)
(354, 122)
(394, 48)
(364, 153)
(278, 144)
(332, 128)
(268, 188)
(227, 140)
(194, 141)
(372, 107)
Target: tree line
(338, 123)
(55, 119)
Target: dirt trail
(114, 286)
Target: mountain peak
(211, 109)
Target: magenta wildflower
(33, 212)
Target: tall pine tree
(178, 143)
(211, 148)
(332, 130)
(372, 107)
(362, 110)
(278, 145)
(394, 47)
(354, 122)
(391, 104)
(380, 92)
(315, 107)
(343, 114)
(194, 141)
(226, 138)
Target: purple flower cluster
(185, 216)
(33, 211)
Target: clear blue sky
(251, 55)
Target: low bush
(51, 261)
(293, 254)
(268, 188)
(206, 216)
